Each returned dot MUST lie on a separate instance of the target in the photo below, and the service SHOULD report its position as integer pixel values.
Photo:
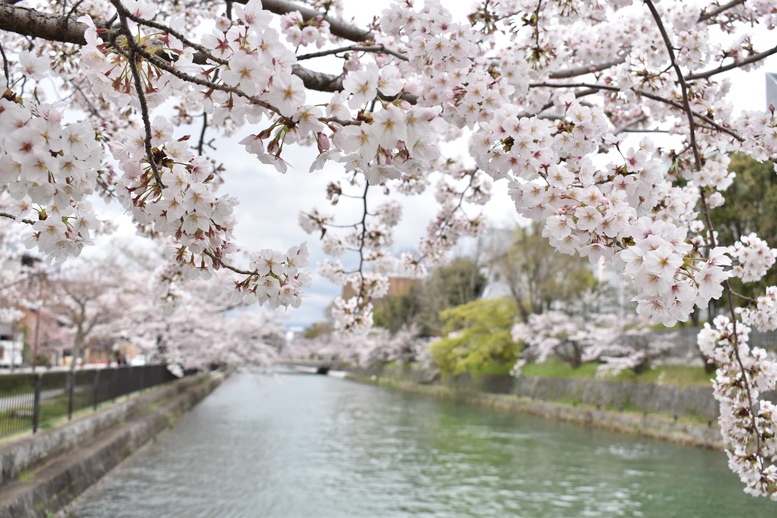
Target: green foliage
(478, 333)
(492, 368)
(535, 273)
(663, 374)
(317, 328)
(556, 368)
(394, 311)
(456, 283)
(751, 206)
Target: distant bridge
(308, 366)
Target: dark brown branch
(593, 88)
(318, 80)
(5, 68)
(378, 49)
(30, 22)
(723, 8)
(681, 79)
(130, 55)
(337, 27)
(737, 64)
(202, 133)
(11, 216)
(65, 29)
(579, 71)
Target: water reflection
(321, 447)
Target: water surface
(315, 446)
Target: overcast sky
(270, 202)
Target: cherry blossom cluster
(763, 314)
(748, 424)
(277, 279)
(753, 257)
(165, 319)
(375, 347)
(613, 341)
(49, 168)
(545, 93)
(304, 33)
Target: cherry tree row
(545, 92)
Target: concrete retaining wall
(619, 395)
(43, 472)
(685, 415)
(694, 401)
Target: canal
(316, 446)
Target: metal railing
(29, 401)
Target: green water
(314, 446)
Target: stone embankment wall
(686, 415)
(41, 473)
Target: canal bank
(43, 472)
(683, 415)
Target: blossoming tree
(546, 93)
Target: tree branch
(65, 29)
(582, 70)
(130, 55)
(378, 49)
(737, 64)
(681, 79)
(725, 7)
(30, 22)
(336, 27)
(593, 88)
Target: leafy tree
(316, 329)
(751, 206)
(535, 276)
(449, 285)
(547, 92)
(478, 333)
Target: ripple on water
(318, 447)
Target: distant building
(397, 286)
(771, 89)
(11, 346)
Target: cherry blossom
(543, 96)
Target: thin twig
(589, 69)
(166, 29)
(593, 88)
(735, 337)
(202, 133)
(361, 241)
(378, 49)
(5, 69)
(725, 7)
(228, 266)
(11, 216)
(131, 55)
(680, 79)
(737, 64)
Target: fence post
(71, 381)
(95, 387)
(36, 403)
(115, 391)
